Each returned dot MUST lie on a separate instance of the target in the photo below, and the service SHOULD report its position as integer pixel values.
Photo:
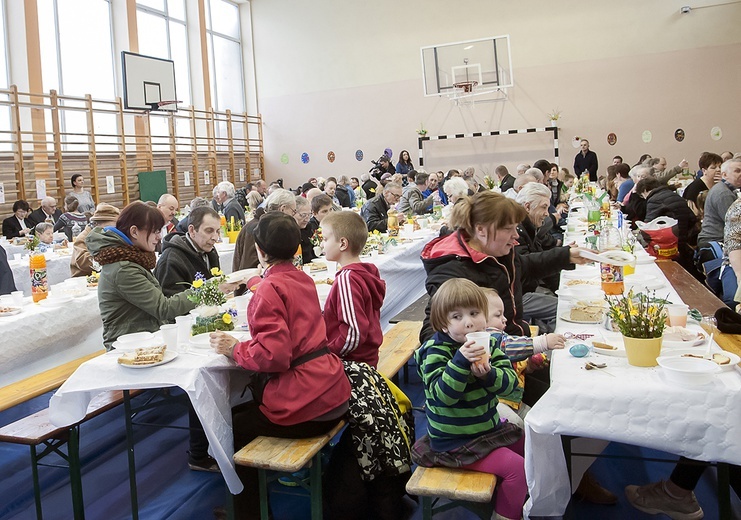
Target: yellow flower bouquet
(637, 315)
(209, 314)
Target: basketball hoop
(159, 104)
(467, 86)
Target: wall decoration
(305, 158)
(206, 177)
(186, 178)
(716, 134)
(40, 188)
(359, 155)
(241, 175)
(576, 142)
(330, 157)
(611, 139)
(2, 193)
(646, 136)
(224, 175)
(284, 158)
(679, 135)
(110, 184)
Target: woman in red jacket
(307, 392)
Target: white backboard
(147, 81)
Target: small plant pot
(642, 352)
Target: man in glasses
(48, 212)
(375, 211)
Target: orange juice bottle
(39, 284)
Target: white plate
(735, 359)
(55, 302)
(699, 340)
(12, 312)
(244, 274)
(644, 281)
(618, 352)
(581, 273)
(201, 340)
(169, 356)
(645, 259)
(224, 246)
(609, 257)
(566, 316)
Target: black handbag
(260, 379)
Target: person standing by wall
(586, 161)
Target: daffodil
(197, 284)
(226, 318)
(215, 271)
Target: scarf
(111, 255)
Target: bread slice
(143, 356)
(721, 359)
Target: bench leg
(426, 508)
(315, 474)
(36, 485)
(132, 460)
(724, 492)
(75, 474)
(262, 480)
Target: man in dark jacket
(506, 181)
(47, 212)
(375, 211)
(225, 195)
(7, 283)
(185, 255)
(182, 257)
(586, 160)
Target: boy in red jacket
(352, 312)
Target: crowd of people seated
(495, 266)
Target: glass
(48, 42)
(152, 31)
(154, 4)
(223, 18)
(3, 56)
(176, 9)
(227, 67)
(179, 54)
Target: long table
(57, 270)
(630, 405)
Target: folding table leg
(724, 492)
(75, 474)
(426, 508)
(263, 485)
(36, 485)
(315, 474)
(132, 460)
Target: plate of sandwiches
(585, 312)
(315, 267)
(608, 350)
(146, 357)
(323, 281)
(727, 361)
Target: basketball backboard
(467, 68)
(149, 83)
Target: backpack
(241, 196)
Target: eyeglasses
(397, 196)
(304, 215)
(292, 210)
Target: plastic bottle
(75, 230)
(39, 284)
(610, 239)
(393, 224)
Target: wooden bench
(465, 488)
(36, 429)
(287, 456)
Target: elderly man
(375, 211)
(720, 197)
(662, 174)
(245, 254)
(48, 212)
(506, 181)
(168, 206)
(197, 202)
(522, 168)
(225, 196)
(338, 194)
(257, 195)
(182, 257)
(520, 181)
(412, 201)
(586, 161)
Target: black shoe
(590, 490)
(205, 464)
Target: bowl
(688, 371)
(135, 338)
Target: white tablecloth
(11, 249)
(401, 269)
(40, 338)
(204, 377)
(57, 270)
(629, 404)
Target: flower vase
(318, 251)
(232, 236)
(210, 318)
(642, 352)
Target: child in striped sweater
(461, 396)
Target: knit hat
(105, 213)
(278, 235)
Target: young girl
(461, 397)
(528, 350)
(45, 232)
(307, 392)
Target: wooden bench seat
(460, 486)
(287, 456)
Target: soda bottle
(39, 284)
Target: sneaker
(653, 499)
(302, 474)
(590, 490)
(206, 464)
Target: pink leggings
(508, 464)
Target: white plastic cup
(240, 305)
(17, 257)
(17, 298)
(482, 339)
(183, 327)
(408, 229)
(677, 314)
(331, 267)
(170, 335)
(423, 222)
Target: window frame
(210, 33)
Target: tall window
(76, 37)
(225, 55)
(161, 28)
(4, 81)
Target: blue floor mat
(169, 490)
